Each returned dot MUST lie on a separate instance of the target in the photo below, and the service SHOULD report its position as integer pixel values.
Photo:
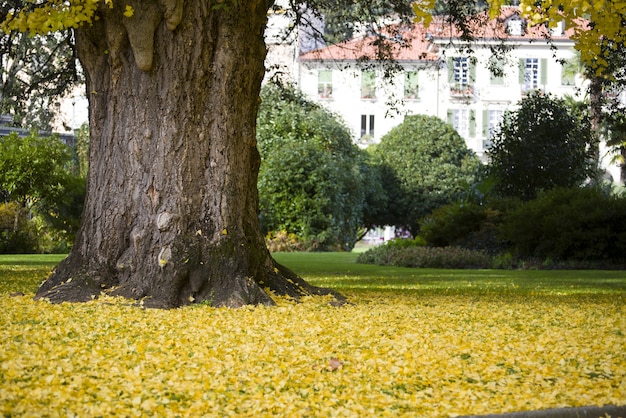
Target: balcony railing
(460, 91)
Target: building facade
(437, 76)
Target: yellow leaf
(129, 12)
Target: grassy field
(429, 343)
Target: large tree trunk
(171, 210)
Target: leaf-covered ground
(383, 356)
(389, 354)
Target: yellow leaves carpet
(385, 355)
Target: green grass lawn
(340, 271)
(23, 273)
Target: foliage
(310, 180)
(426, 163)
(564, 224)
(418, 241)
(62, 211)
(36, 174)
(376, 195)
(503, 341)
(614, 126)
(17, 235)
(601, 23)
(36, 72)
(282, 241)
(447, 224)
(538, 147)
(426, 257)
(32, 167)
(605, 31)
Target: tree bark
(170, 215)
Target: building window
(368, 85)
(531, 74)
(325, 84)
(461, 71)
(411, 86)
(460, 120)
(367, 126)
(515, 26)
(461, 76)
(495, 117)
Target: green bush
(311, 181)
(426, 257)
(568, 224)
(424, 165)
(17, 235)
(448, 224)
(466, 225)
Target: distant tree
(310, 180)
(36, 174)
(541, 145)
(35, 73)
(32, 167)
(426, 164)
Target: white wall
(434, 90)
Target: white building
(438, 78)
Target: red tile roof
(417, 41)
(414, 47)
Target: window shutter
(486, 123)
(472, 72)
(472, 123)
(544, 71)
(522, 68)
(451, 70)
(450, 117)
(499, 65)
(325, 76)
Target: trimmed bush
(310, 181)
(568, 224)
(426, 257)
(466, 225)
(425, 164)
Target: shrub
(569, 224)
(425, 164)
(426, 257)
(310, 181)
(17, 235)
(452, 222)
(466, 225)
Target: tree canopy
(539, 146)
(426, 164)
(33, 168)
(35, 72)
(310, 182)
